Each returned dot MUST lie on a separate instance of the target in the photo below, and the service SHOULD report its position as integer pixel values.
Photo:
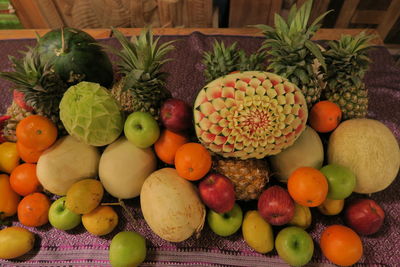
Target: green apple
(127, 249)
(62, 218)
(341, 181)
(141, 129)
(294, 245)
(302, 216)
(225, 224)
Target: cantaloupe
(369, 149)
(307, 151)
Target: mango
(84, 196)
(257, 232)
(15, 241)
(9, 157)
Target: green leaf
(280, 25)
(314, 49)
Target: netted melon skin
(250, 114)
(90, 114)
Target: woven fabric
(79, 248)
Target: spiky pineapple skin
(249, 177)
(353, 103)
(143, 84)
(250, 114)
(17, 114)
(347, 60)
(293, 54)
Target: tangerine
(36, 132)
(167, 145)
(308, 186)
(23, 179)
(8, 198)
(29, 155)
(192, 161)
(341, 245)
(33, 210)
(325, 116)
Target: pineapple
(224, 60)
(16, 114)
(249, 177)
(41, 87)
(142, 87)
(347, 62)
(250, 114)
(293, 54)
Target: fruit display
(251, 114)
(364, 216)
(225, 223)
(75, 56)
(143, 84)
(294, 55)
(123, 168)
(257, 232)
(369, 149)
(258, 166)
(15, 241)
(249, 176)
(348, 62)
(66, 162)
(90, 114)
(225, 60)
(39, 91)
(294, 245)
(307, 151)
(171, 206)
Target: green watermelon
(77, 56)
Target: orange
(192, 161)
(325, 116)
(23, 179)
(167, 145)
(29, 155)
(341, 245)
(308, 186)
(36, 132)
(33, 210)
(8, 198)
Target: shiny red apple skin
(276, 206)
(364, 216)
(176, 115)
(217, 192)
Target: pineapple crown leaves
(223, 60)
(42, 87)
(141, 59)
(289, 42)
(347, 60)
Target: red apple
(176, 115)
(217, 192)
(19, 98)
(364, 216)
(276, 206)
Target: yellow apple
(331, 206)
(302, 216)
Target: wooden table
(322, 34)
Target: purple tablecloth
(79, 248)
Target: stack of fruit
(253, 128)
